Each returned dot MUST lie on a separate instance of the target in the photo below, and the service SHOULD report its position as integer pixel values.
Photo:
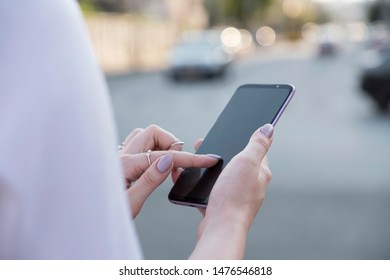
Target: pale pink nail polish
(267, 130)
(164, 163)
(214, 156)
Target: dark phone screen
(250, 107)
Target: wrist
(225, 220)
(226, 215)
(220, 237)
(221, 241)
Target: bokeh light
(265, 36)
(231, 37)
(357, 32)
(246, 39)
(293, 8)
(311, 32)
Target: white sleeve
(61, 187)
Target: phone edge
(285, 104)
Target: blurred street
(330, 193)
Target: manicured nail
(214, 156)
(164, 163)
(267, 130)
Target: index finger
(135, 164)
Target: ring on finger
(178, 142)
(121, 146)
(148, 153)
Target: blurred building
(345, 11)
(190, 13)
(138, 37)
(184, 13)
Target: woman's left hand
(148, 156)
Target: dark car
(327, 48)
(376, 83)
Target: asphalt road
(330, 193)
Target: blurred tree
(237, 12)
(105, 5)
(87, 5)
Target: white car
(198, 54)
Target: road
(330, 193)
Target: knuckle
(129, 166)
(125, 159)
(245, 159)
(267, 174)
(148, 180)
(153, 128)
(195, 160)
(263, 144)
(133, 133)
(261, 196)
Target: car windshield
(200, 39)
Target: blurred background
(176, 63)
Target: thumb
(260, 142)
(149, 181)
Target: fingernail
(267, 130)
(164, 163)
(214, 156)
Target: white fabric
(61, 188)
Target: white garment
(61, 187)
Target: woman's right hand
(235, 200)
(148, 156)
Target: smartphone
(250, 107)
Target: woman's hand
(148, 156)
(235, 200)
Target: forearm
(221, 240)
